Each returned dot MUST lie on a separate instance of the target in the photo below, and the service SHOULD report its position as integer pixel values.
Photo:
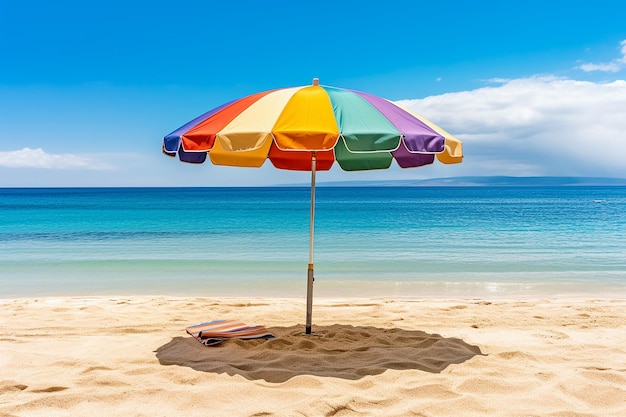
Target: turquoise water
(386, 241)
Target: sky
(89, 89)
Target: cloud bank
(536, 126)
(38, 158)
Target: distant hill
(478, 181)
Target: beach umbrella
(308, 128)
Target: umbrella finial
(316, 81)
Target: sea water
(407, 242)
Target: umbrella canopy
(308, 128)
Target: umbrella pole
(310, 279)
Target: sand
(130, 356)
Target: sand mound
(339, 351)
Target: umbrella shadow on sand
(339, 351)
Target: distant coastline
(468, 181)
(478, 181)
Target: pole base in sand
(309, 299)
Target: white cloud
(38, 158)
(536, 126)
(615, 65)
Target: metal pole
(310, 279)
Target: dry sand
(130, 356)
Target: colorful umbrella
(306, 129)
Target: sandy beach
(130, 356)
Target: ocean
(403, 242)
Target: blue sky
(88, 90)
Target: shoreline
(613, 293)
(323, 288)
(531, 296)
(112, 355)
